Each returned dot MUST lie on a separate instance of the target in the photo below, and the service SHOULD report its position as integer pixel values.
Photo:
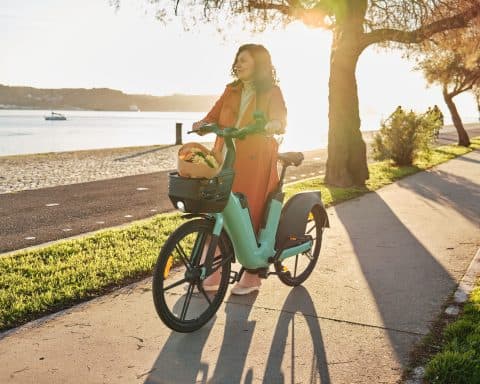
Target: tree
(356, 24)
(476, 92)
(452, 60)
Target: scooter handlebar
(234, 133)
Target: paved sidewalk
(388, 262)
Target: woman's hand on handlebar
(196, 127)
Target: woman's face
(245, 66)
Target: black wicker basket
(200, 195)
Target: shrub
(450, 367)
(436, 116)
(459, 329)
(404, 136)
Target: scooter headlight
(181, 206)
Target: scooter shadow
(297, 301)
(185, 357)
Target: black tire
(309, 259)
(166, 290)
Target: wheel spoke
(309, 254)
(221, 264)
(204, 293)
(311, 229)
(295, 268)
(176, 284)
(215, 261)
(183, 256)
(186, 303)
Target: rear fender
(294, 216)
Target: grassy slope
(41, 281)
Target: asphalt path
(35, 217)
(38, 216)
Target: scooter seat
(291, 158)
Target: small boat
(55, 116)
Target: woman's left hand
(274, 127)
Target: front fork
(208, 268)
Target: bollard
(178, 129)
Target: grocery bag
(197, 161)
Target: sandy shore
(25, 172)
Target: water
(26, 131)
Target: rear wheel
(178, 293)
(295, 270)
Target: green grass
(381, 173)
(459, 359)
(44, 280)
(48, 279)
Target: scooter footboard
(294, 216)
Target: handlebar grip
(207, 128)
(233, 133)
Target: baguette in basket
(197, 161)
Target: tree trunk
(463, 138)
(347, 156)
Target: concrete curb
(467, 284)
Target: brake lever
(203, 129)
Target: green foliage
(452, 60)
(405, 135)
(435, 116)
(459, 359)
(475, 143)
(454, 367)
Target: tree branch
(283, 8)
(461, 90)
(313, 17)
(424, 32)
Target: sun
(301, 57)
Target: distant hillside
(99, 99)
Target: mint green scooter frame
(238, 225)
(237, 222)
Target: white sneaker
(240, 290)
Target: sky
(86, 43)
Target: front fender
(294, 216)
(189, 216)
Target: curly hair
(264, 76)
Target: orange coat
(256, 160)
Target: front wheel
(295, 270)
(178, 293)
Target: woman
(255, 88)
